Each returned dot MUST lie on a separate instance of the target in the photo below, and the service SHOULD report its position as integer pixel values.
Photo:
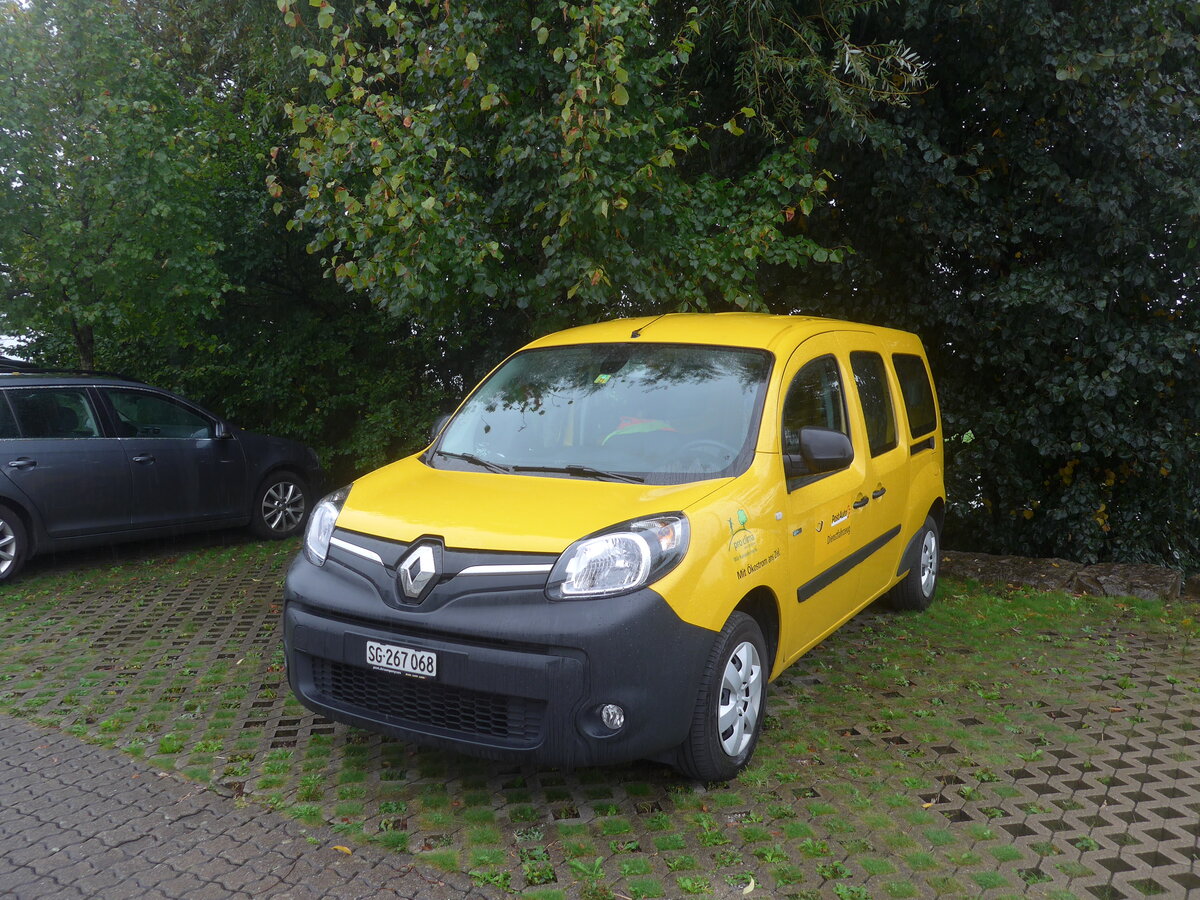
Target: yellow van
(621, 535)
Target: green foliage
(1034, 217)
(105, 159)
(541, 164)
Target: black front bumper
(519, 676)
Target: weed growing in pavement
(894, 755)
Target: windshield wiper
(476, 461)
(584, 472)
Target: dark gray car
(89, 460)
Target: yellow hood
(491, 511)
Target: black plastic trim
(505, 649)
(845, 566)
(919, 446)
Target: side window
(917, 393)
(143, 414)
(62, 412)
(8, 424)
(876, 397)
(815, 397)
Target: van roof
(732, 329)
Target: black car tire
(918, 588)
(281, 505)
(14, 544)
(731, 705)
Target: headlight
(620, 559)
(320, 525)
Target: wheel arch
(762, 605)
(31, 524)
(937, 512)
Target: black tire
(919, 586)
(14, 543)
(734, 680)
(281, 506)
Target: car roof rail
(18, 367)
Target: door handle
(862, 501)
(878, 492)
(23, 462)
(145, 459)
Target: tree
(107, 209)
(1034, 217)
(540, 164)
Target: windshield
(659, 413)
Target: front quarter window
(659, 413)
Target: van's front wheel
(728, 716)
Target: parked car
(88, 459)
(623, 533)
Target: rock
(1118, 580)
(1043, 574)
(1191, 588)
(1102, 580)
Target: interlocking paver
(917, 769)
(159, 836)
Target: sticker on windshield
(602, 379)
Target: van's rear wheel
(919, 586)
(728, 716)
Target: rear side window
(814, 398)
(917, 393)
(54, 413)
(8, 424)
(871, 378)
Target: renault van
(624, 532)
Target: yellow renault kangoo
(620, 537)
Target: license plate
(404, 660)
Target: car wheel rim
(929, 563)
(283, 506)
(741, 699)
(8, 547)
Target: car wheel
(280, 506)
(13, 544)
(919, 586)
(732, 702)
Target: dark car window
(917, 392)
(144, 414)
(60, 412)
(8, 424)
(876, 397)
(814, 399)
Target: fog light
(612, 716)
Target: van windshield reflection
(658, 413)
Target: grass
(893, 758)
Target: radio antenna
(637, 332)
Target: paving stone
(93, 823)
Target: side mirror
(221, 431)
(821, 450)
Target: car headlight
(619, 559)
(320, 525)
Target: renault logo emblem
(417, 570)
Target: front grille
(427, 704)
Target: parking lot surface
(1002, 745)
